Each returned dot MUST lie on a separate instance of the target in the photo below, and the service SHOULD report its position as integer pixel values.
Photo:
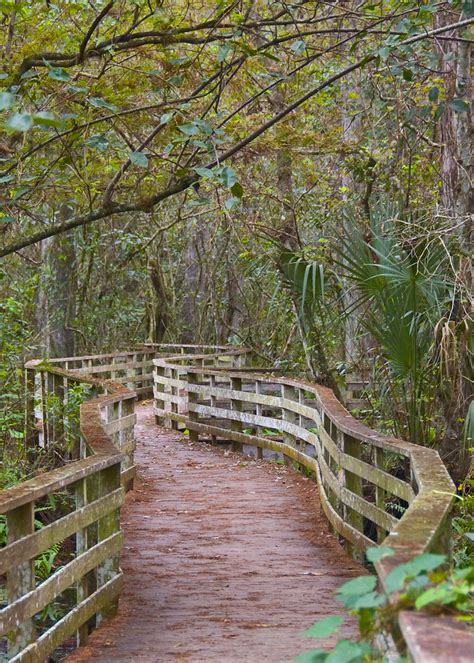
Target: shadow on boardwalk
(226, 559)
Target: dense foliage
(291, 177)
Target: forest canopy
(294, 177)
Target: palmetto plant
(405, 284)
(404, 291)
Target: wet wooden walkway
(226, 559)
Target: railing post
(30, 418)
(159, 387)
(236, 406)
(44, 409)
(193, 396)
(258, 412)
(21, 578)
(128, 437)
(175, 393)
(167, 404)
(288, 392)
(108, 525)
(84, 584)
(213, 401)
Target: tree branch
(146, 205)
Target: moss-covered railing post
(21, 576)
(109, 533)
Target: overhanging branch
(146, 205)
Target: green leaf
(7, 219)
(19, 122)
(470, 535)
(325, 627)
(298, 47)
(384, 52)
(177, 61)
(357, 586)
(45, 119)
(224, 52)
(421, 564)
(19, 193)
(7, 100)
(166, 118)
(459, 105)
(205, 172)
(237, 190)
(433, 94)
(349, 652)
(97, 102)
(314, 656)
(230, 203)
(370, 600)
(407, 75)
(190, 129)
(6, 178)
(176, 80)
(432, 595)
(228, 177)
(139, 159)
(375, 554)
(58, 74)
(98, 142)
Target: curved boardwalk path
(226, 559)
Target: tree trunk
(158, 306)
(193, 282)
(56, 296)
(456, 134)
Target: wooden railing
(94, 442)
(374, 489)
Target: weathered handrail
(363, 500)
(96, 470)
(211, 392)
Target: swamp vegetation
(294, 178)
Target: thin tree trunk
(56, 297)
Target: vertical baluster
(20, 578)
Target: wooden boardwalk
(226, 559)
